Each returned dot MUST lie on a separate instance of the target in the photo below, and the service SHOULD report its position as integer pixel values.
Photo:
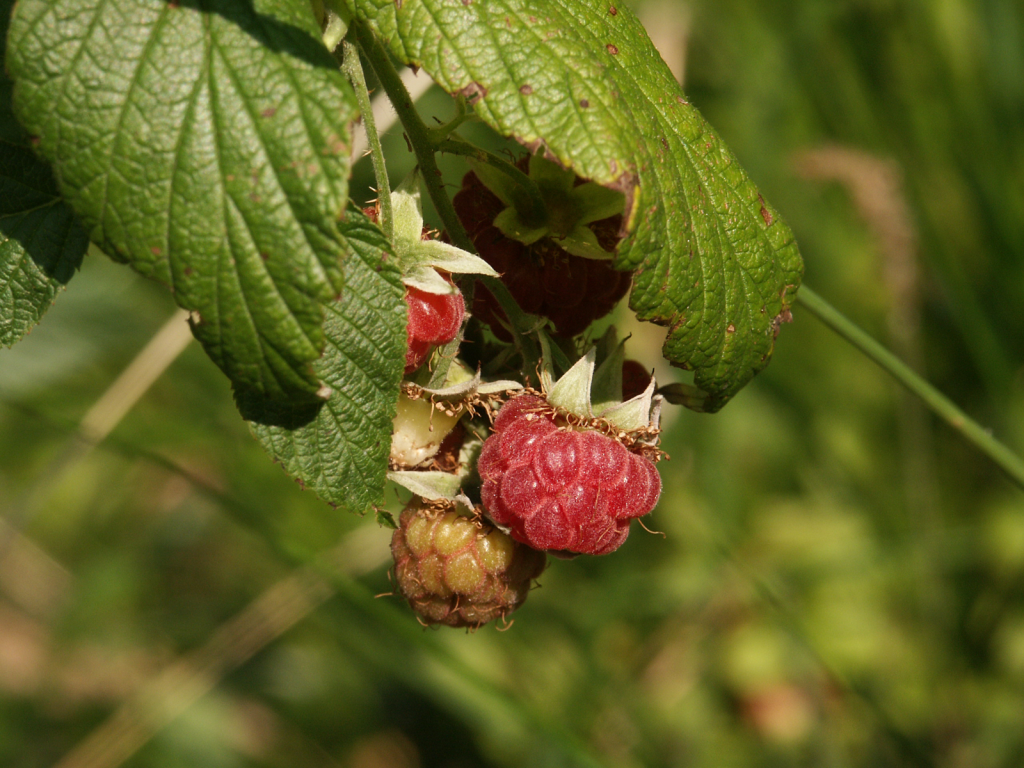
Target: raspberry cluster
(561, 488)
(457, 570)
(560, 472)
(543, 279)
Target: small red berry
(457, 570)
(434, 318)
(635, 379)
(562, 488)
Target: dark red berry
(635, 379)
(457, 570)
(434, 318)
(543, 279)
(562, 488)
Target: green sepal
(635, 413)
(606, 390)
(463, 390)
(511, 192)
(572, 391)
(418, 258)
(566, 212)
(546, 366)
(427, 279)
(430, 485)
(451, 259)
(591, 392)
(464, 506)
(551, 178)
(597, 202)
(582, 242)
(511, 225)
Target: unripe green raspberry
(458, 570)
(419, 429)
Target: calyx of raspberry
(465, 387)
(566, 210)
(420, 259)
(591, 391)
(426, 418)
(432, 484)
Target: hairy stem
(353, 70)
(439, 133)
(942, 406)
(415, 129)
(420, 137)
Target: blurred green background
(840, 581)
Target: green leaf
(342, 454)
(711, 259)
(209, 149)
(41, 244)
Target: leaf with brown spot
(703, 242)
(167, 129)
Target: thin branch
(416, 130)
(353, 70)
(942, 406)
(383, 115)
(420, 137)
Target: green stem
(439, 133)
(416, 130)
(424, 148)
(973, 432)
(353, 70)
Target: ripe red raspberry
(543, 279)
(434, 319)
(561, 488)
(460, 571)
